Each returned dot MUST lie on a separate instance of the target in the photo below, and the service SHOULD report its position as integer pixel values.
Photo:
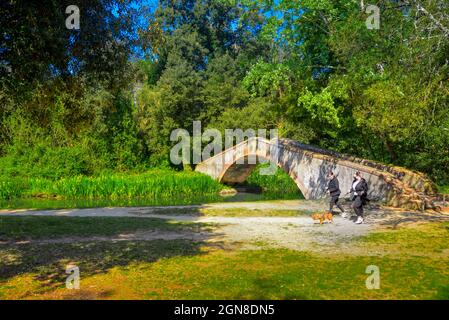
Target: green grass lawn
(182, 270)
(414, 265)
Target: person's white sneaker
(359, 220)
(345, 215)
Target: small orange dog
(323, 216)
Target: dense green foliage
(443, 189)
(66, 105)
(83, 103)
(278, 183)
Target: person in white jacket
(359, 192)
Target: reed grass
(154, 183)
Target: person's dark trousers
(358, 206)
(334, 202)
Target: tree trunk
(391, 151)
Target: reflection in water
(140, 202)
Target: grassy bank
(156, 183)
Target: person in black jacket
(359, 192)
(333, 187)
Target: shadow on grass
(49, 260)
(33, 228)
(266, 288)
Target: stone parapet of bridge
(308, 166)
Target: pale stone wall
(308, 166)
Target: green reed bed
(154, 183)
(12, 188)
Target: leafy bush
(278, 183)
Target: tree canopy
(107, 96)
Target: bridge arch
(235, 173)
(308, 165)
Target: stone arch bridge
(308, 166)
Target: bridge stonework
(308, 166)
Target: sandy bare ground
(296, 232)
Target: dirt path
(300, 205)
(296, 232)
